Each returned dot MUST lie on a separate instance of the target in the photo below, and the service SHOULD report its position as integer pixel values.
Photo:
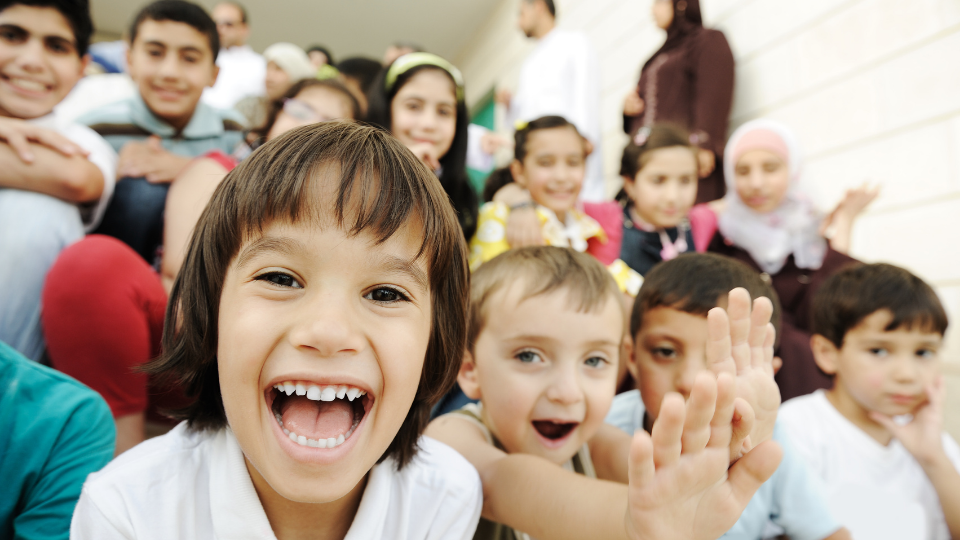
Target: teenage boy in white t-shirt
(57, 176)
(876, 437)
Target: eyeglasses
(301, 111)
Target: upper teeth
(28, 84)
(318, 392)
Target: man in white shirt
(242, 71)
(562, 77)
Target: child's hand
(427, 153)
(922, 437)
(690, 494)
(856, 200)
(740, 343)
(150, 160)
(19, 134)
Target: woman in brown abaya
(687, 82)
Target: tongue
(317, 419)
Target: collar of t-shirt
(205, 122)
(238, 514)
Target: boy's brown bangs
(542, 270)
(373, 194)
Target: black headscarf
(687, 20)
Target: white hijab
(792, 228)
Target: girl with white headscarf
(768, 221)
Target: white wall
(872, 88)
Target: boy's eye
(878, 351)
(528, 357)
(686, 180)
(926, 354)
(280, 279)
(595, 361)
(13, 34)
(386, 295)
(59, 46)
(663, 353)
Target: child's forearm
(545, 501)
(946, 480)
(70, 178)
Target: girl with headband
(419, 98)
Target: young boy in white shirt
(57, 176)
(876, 438)
(669, 345)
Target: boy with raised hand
(57, 176)
(876, 437)
(172, 58)
(670, 328)
(544, 336)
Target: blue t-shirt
(54, 431)
(792, 498)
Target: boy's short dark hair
(551, 7)
(364, 70)
(695, 283)
(179, 11)
(542, 270)
(856, 292)
(77, 13)
(388, 186)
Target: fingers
(640, 467)
(720, 425)
(756, 467)
(700, 407)
(20, 145)
(738, 309)
(667, 430)
(55, 141)
(760, 338)
(742, 423)
(719, 359)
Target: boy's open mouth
(554, 430)
(318, 416)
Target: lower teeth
(311, 443)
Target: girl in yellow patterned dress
(549, 162)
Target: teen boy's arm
(923, 437)
(43, 161)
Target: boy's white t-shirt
(190, 485)
(101, 155)
(877, 492)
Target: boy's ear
(587, 147)
(216, 72)
(516, 170)
(468, 378)
(825, 353)
(84, 63)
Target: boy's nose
(905, 370)
(31, 56)
(326, 325)
(565, 388)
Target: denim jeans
(135, 216)
(34, 229)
